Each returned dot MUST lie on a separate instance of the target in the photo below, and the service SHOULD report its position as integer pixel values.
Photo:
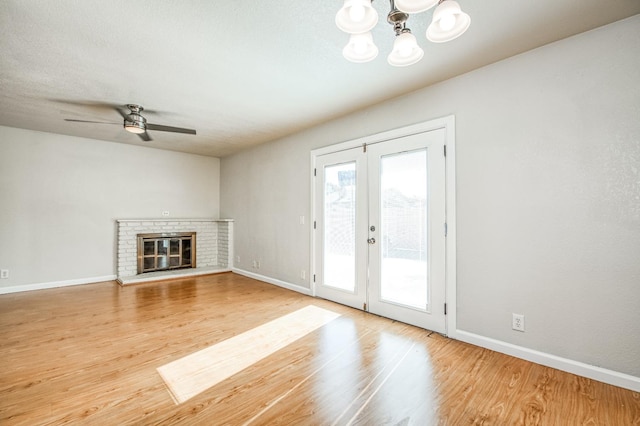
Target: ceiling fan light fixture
(135, 123)
(415, 6)
(449, 22)
(405, 50)
(360, 48)
(356, 17)
(136, 127)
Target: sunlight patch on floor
(197, 372)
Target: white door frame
(448, 124)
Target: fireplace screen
(159, 252)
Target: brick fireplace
(213, 246)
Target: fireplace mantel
(214, 249)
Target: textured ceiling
(239, 72)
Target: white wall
(60, 197)
(548, 195)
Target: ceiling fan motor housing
(134, 122)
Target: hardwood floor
(89, 355)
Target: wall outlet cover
(517, 322)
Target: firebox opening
(164, 251)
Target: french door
(380, 228)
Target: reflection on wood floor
(89, 354)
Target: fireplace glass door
(159, 252)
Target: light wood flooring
(89, 355)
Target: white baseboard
(273, 281)
(604, 375)
(55, 284)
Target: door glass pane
(149, 248)
(403, 185)
(174, 247)
(186, 252)
(340, 226)
(162, 262)
(163, 246)
(149, 263)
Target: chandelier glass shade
(360, 48)
(415, 6)
(449, 22)
(358, 18)
(405, 51)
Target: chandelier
(358, 17)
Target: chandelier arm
(397, 19)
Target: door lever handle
(371, 240)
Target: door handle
(371, 240)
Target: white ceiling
(239, 72)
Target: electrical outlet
(303, 275)
(237, 259)
(4, 273)
(165, 213)
(258, 264)
(255, 264)
(517, 322)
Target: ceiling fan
(134, 122)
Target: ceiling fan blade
(170, 129)
(87, 121)
(145, 137)
(96, 105)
